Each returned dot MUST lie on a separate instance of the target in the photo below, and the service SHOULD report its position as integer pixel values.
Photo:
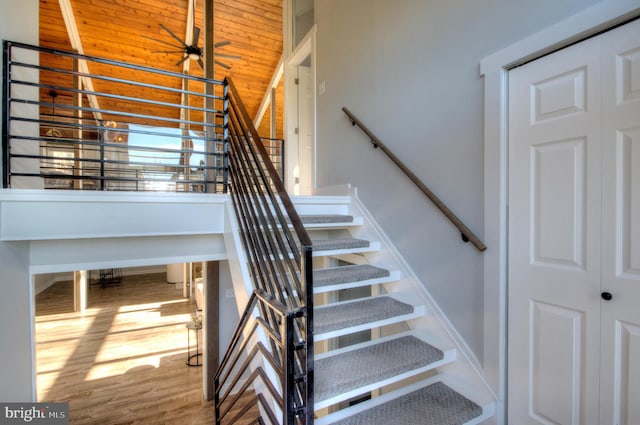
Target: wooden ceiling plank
(114, 29)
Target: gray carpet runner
(334, 317)
(355, 273)
(436, 404)
(334, 244)
(345, 372)
(325, 218)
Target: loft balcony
(120, 127)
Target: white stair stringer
(462, 383)
(242, 288)
(467, 368)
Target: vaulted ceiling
(130, 31)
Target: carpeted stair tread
(364, 366)
(344, 274)
(340, 243)
(345, 315)
(436, 404)
(325, 218)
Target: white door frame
(306, 47)
(495, 68)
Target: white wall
(65, 214)
(45, 280)
(16, 329)
(409, 69)
(229, 314)
(15, 332)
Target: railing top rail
(296, 222)
(467, 234)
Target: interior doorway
(122, 359)
(300, 118)
(305, 127)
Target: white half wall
(52, 215)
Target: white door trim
(306, 47)
(494, 68)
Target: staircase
(335, 327)
(381, 355)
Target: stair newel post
(306, 265)
(289, 408)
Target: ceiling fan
(192, 51)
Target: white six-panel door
(620, 362)
(574, 223)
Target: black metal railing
(64, 127)
(466, 233)
(276, 330)
(118, 127)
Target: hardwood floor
(122, 361)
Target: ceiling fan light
(194, 56)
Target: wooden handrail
(467, 234)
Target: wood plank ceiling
(117, 29)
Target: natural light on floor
(121, 334)
(120, 349)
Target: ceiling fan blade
(200, 63)
(222, 43)
(196, 36)
(224, 65)
(173, 35)
(181, 61)
(163, 42)
(222, 55)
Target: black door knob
(606, 296)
